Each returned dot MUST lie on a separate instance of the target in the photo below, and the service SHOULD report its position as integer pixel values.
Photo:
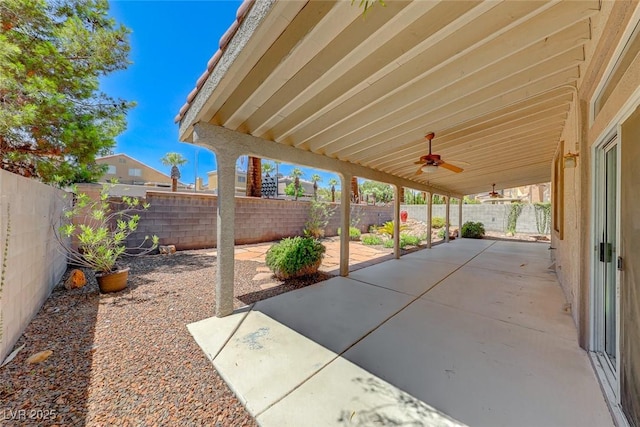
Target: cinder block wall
(189, 221)
(494, 217)
(34, 262)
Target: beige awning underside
(493, 80)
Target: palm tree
(355, 193)
(278, 163)
(333, 182)
(296, 174)
(267, 167)
(315, 178)
(254, 177)
(174, 160)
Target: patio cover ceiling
(493, 80)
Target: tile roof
(222, 45)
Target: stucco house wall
(618, 115)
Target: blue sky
(171, 42)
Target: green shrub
(354, 233)
(319, 215)
(295, 257)
(441, 233)
(407, 240)
(473, 230)
(371, 239)
(437, 222)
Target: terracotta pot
(114, 281)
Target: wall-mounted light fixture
(571, 160)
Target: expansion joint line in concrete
(235, 329)
(365, 335)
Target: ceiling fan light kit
(429, 168)
(430, 162)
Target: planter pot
(114, 281)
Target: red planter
(404, 215)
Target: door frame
(610, 386)
(597, 292)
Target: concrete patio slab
(458, 251)
(513, 263)
(212, 334)
(529, 301)
(487, 346)
(407, 275)
(345, 394)
(529, 249)
(335, 313)
(484, 372)
(265, 360)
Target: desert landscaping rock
(127, 358)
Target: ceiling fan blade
(450, 167)
(419, 162)
(419, 171)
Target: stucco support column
(429, 217)
(345, 223)
(447, 218)
(460, 218)
(396, 222)
(225, 232)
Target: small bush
(295, 257)
(473, 230)
(409, 240)
(371, 240)
(441, 233)
(437, 222)
(405, 240)
(354, 233)
(319, 215)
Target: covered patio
(469, 333)
(478, 331)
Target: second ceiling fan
(434, 161)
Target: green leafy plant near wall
(543, 217)
(437, 222)
(319, 215)
(513, 213)
(388, 228)
(354, 233)
(5, 256)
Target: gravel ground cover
(127, 359)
